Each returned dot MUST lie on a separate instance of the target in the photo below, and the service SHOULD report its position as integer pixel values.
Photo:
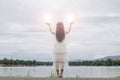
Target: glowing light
(48, 18)
(71, 18)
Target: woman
(60, 52)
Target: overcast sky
(95, 34)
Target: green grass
(78, 77)
(52, 75)
(27, 75)
(117, 76)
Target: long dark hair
(60, 32)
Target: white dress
(60, 53)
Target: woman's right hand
(47, 24)
(72, 23)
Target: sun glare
(47, 18)
(70, 18)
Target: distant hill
(117, 57)
(77, 60)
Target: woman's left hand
(47, 24)
(72, 23)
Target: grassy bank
(47, 78)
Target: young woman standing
(60, 52)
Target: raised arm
(50, 28)
(69, 29)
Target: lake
(72, 71)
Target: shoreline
(47, 78)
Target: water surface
(72, 71)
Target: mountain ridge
(116, 57)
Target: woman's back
(60, 47)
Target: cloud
(24, 35)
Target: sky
(24, 35)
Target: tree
(109, 62)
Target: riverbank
(46, 78)
(16, 62)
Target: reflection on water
(72, 71)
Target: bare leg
(57, 73)
(61, 75)
(62, 69)
(57, 69)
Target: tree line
(108, 62)
(17, 62)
